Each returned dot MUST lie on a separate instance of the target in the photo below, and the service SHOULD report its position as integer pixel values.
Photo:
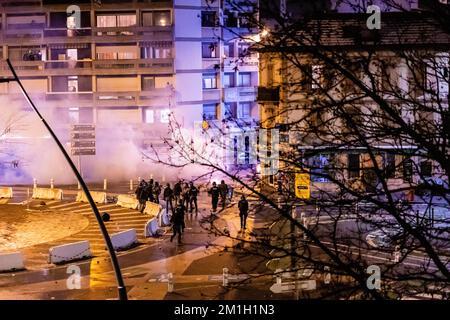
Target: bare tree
(364, 114)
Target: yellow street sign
(303, 185)
(205, 125)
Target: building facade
(129, 66)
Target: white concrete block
(11, 261)
(70, 252)
(124, 240)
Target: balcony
(211, 95)
(155, 33)
(268, 94)
(235, 94)
(138, 66)
(249, 63)
(23, 68)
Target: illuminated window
(149, 116)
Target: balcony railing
(268, 94)
(233, 94)
(133, 64)
(68, 64)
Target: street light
(120, 283)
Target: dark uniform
(215, 193)
(178, 222)
(243, 212)
(193, 193)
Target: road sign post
(82, 141)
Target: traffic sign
(293, 286)
(83, 152)
(83, 127)
(83, 144)
(83, 135)
(302, 185)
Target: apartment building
(288, 93)
(129, 65)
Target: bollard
(79, 186)
(51, 183)
(139, 179)
(105, 184)
(131, 184)
(151, 176)
(305, 223)
(34, 183)
(278, 279)
(170, 282)
(163, 178)
(327, 278)
(225, 277)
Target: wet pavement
(196, 265)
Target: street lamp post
(115, 263)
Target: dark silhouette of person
(168, 198)
(215, 193)
(193, 193)
(243, 211)
(178, 221)
(223, 188)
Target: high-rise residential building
(126, 66)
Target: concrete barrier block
(11, 261)
(124, 240)
(70, 252)
(164, 219)
(127, 201)
(47, 194)
(98, 196)
(152, 209)
(151, 228)
(6, 192)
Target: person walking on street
(150, 187)
(223, 193)
(178, 222)
(168, 198)
(157, 191)
(141, 195)
(193, 193)
(177, 191)
(215, 193)
(243, 211)
(185, 194)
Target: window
(245, 110)
(209, 50)
(148, 83)
(353, 165)
(426, 169)
(230, 110)
(228, 80)
(161, 18)
(209, 19)
(149, 116)
(156, 53)
(243, 49)
(209, 112)
(245, 79)
(389, 165)
(209, 81)
(319, 165)
(165, 115)
(116, 20)
(407, 170)
(229, 50)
